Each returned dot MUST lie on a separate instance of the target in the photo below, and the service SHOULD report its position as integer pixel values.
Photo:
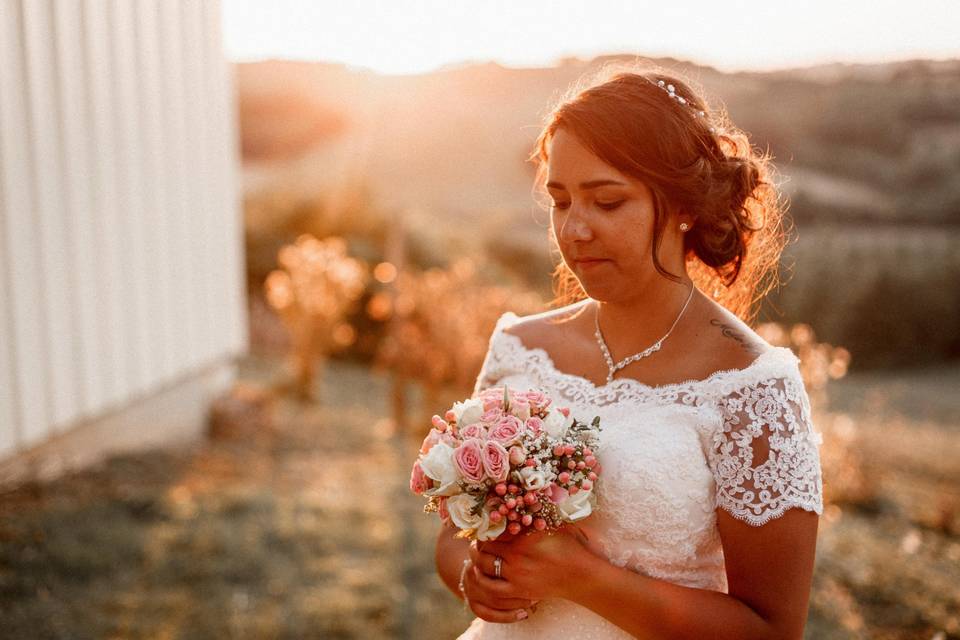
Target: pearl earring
(684, 226)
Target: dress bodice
(739, 440)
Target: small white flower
(533, 479)
(487, 530)
(577, 506)
(468, 411)
(438, 465)
(459, 507)
(556, 424)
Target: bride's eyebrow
(590, 184)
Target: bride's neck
(632, 324)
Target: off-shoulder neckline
(774, 352)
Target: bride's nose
(575, 228)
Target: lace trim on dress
(766, 459)
(508, 355)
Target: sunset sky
(420, 35)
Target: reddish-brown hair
(733, 249)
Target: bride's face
(603, 221)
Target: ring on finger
(497, 565)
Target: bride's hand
(486, 603)
(534, 566)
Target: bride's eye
(560, 205)
(610, 206)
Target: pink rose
(434, 437)
(492, 398)
(492, 415)
(419, 482)
(535, 425)
(469, 459)
(475, 430)
(507, 431)
(536, 399)
(496, 461)
(520, 408)
(517, 455)
(442, 511)
(557, 493)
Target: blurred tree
(315, 287)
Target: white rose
(556, 424)
(576, 507)
(533, 479)
(459, 508)
(488, 530)
(438, 465)
(468, 411)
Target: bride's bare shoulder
(726, 340)
(546, 328)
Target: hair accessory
(684, 226)
(672, 92)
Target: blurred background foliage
(867, 154)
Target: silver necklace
(613, 368)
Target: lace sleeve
(497, 364)
(765, 456)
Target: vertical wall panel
(212, 125)
(163, 314)
(175, 150)
(231, 227)
(135, 291)
(77, 182)
(201, 205)
(53, 225)
(21, 251)
(9, 418)
(8, 389)
(108, 223)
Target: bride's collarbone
(718, 344)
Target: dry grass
(278, 538)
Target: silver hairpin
(672, 92)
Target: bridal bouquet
(508, 461)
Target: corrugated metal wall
(120, 225)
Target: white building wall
(121, 260)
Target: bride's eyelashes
(606, 206)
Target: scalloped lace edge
(783, 356)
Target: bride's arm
(449, 556)
(769, 572)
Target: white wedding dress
(671, 455)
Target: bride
(668, 227)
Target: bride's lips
(589, 262)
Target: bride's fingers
(493, 593)
(495, 615)
(486, 562)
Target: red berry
(514, 528)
